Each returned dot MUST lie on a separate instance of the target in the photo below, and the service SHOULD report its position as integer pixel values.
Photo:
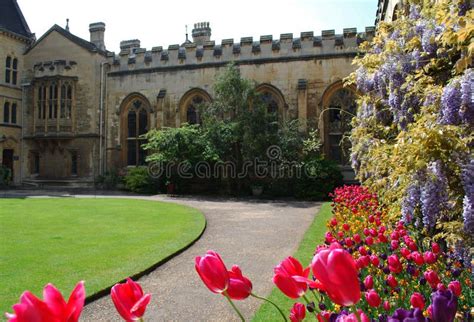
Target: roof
(75, 39)
(12, 19)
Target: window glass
(6, 112)
(13, 117)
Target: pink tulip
(336, 270)
(455, 287)
(53, 309)
(298, 312)
(212, 271)
(240, 286)
(369, 282)
(291, 278)
(429, 257)
(373, 299)
(129, 300)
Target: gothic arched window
(270, 101)
(192, 110)
(342, 107)
(137, 125)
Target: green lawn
(313, 237)
(101, 241)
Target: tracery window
(342, 107)
(270, 101)
(137, 125)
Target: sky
(162, 23)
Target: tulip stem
(234, 307)
(309, 302)
(276, 306)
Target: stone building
(85, 107)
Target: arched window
(272, 98)
(137, 125)
(192, 110)
(6, 112)
(342, 106)
(13, 117)
(270, 101)
(190, 105)
(8, 69)
(66, 100)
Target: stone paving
(254, 234)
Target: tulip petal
(54, 299)
(75, 303)
(122, 309)
(139, 308)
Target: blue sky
(162, 23)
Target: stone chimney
(201, 33)
(130, 45)
(97, 30)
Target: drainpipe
(23, 108)
(101, 119)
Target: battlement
(245, 50)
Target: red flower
(53, 309)
(212, 271)
(369, 241)
(357, 238)
(394, 264)
(336, 269)
(432, 278)
(405, 252)
(333, 222)
(394, 244)
(240, 286)
(291, 278)
(435, 247)
(374, 260)
(417, 258)
(417, 301)
(369, 282)
(373, 299)
(298, 312)
(391, 281)
(346, 227)
(429, 257)
(455, 287)
(129, 300)
(386, 305)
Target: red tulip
(357, 238)
(429, 257)
(386, 305)
(348, 242)
(291, 278)
(298, 312)
(212, 271)
(53, 309)
(374, 260)
(391, 281)
(336, 269)
(394, 244)
(417, 258)
(405, 252)
(129, 300)
(455, 287)
(333, 222)
(435, 247)
(417, 301)
(369, 282)
(240, 286)
(360, 317)
(369, 241)
(432, 278)
(346, 227)
(394, 264)
(362, 250)
(373, 299)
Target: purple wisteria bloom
(467, 178)
(467, 97)
(410, 202)
(450, 103)
(444, 305)
(434, 194)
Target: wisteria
(450, 103)
(434, 194)
(468, 201)
(466, 111)
(410, 202)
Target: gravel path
(256, 235)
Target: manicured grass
(313, 237)
(100, 241)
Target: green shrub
(138, 180)
(109, 180)
(5, 176)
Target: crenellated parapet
(247, 50)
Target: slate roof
(12, 19)
(75, 39)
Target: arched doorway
(135, 120)
(339, 107)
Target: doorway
(7, 160)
